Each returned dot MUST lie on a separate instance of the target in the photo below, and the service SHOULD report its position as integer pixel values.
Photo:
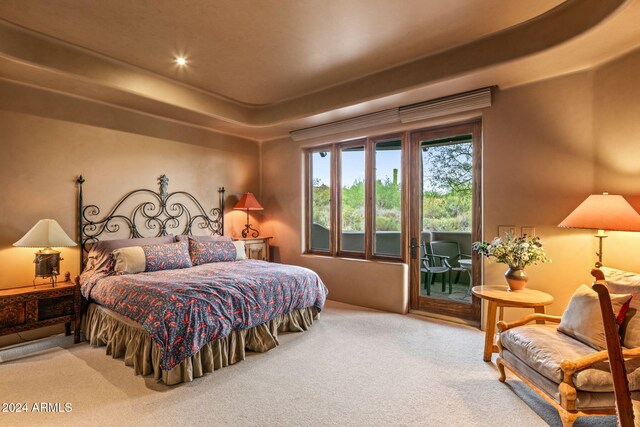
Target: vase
(516, 278)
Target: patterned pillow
(203, 252)
(169, 256)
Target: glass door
(445, 218)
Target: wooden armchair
(570, 375)
(624, 406)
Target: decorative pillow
(625, 282)
(241, 253)
(582, 319)
(100, 253)
(212, 251)
(129, 260)
(169, 256)
(214, 238)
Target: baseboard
(447, 318)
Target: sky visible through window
(385, 165)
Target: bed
(174, 297)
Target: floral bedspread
(184, 309)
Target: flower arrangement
(516, 252)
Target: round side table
(501, 296)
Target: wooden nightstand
(256, 247)
(23, 309)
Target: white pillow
(626, 282)
(582, 319)
(620, 277)
(240, 250)
(129, 260)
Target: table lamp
(603, 212)
(249, 203)
(46, 234)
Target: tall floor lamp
(603, 212)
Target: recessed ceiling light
(181, 61)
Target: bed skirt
(126, 338)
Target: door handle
(413, 248)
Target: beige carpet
(355, 367)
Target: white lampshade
(47, 233)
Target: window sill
(379, 260)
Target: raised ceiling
(262, 68)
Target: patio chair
(451, 250)
(432, 265)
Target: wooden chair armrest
(631, 353)
(503, 326)
(572, 366)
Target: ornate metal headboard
(156, 212)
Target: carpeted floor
(354, 367)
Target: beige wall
(538, 165)
(46, 140)
(546, 147)
(617, 145)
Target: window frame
(308, 153)
(362, 142)
(404, 224)
(335, 198)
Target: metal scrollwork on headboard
(178, 212)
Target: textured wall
(46, 140)
(617, 145)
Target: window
(388, 197)
(366, 202)
(352, 198)
(320, 203)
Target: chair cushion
(625, 282)
(583, 319)
(543, 348)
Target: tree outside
(447, 185)
(388, 197)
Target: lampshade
(248, 201)
(46, 233)
(603, 212)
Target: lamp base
(47, 263)
(600, 236)
(249, 231)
